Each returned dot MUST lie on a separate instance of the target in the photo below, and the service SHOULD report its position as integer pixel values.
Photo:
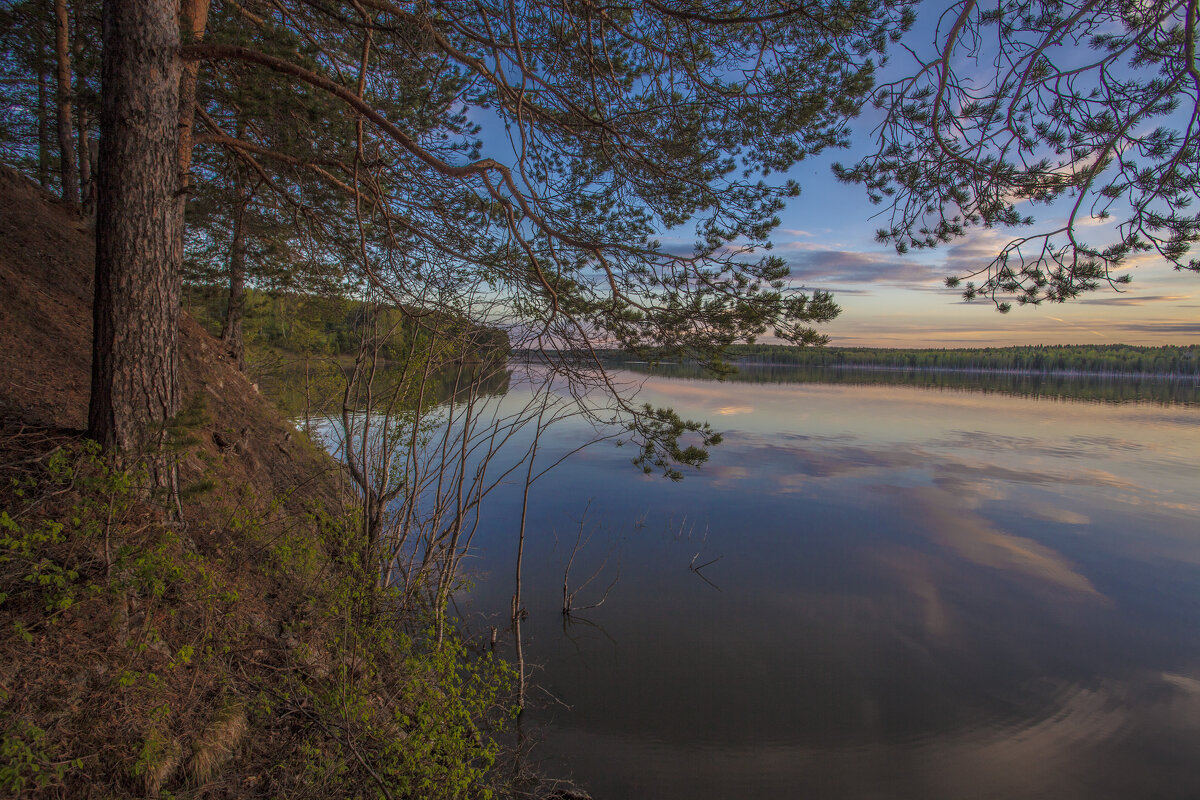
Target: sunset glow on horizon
(893, 300)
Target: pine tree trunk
(135, 383)
(231, 334)
(66, 138)
(87, 189)
(193, 19)
(43, 170)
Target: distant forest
(330, 325)
(1116, 359)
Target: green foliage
(182, 427)
(371, 686)
(663, 434)
(24, 549)
(294, 323)
(38, 560)
(155, 752)
(445, 753)
(25, 761)
(435, 737)
(328, 324)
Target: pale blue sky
(892, 300)
(887, 299)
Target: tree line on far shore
(1123, 359)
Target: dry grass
(217, 743)
(157, 762)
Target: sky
(827, 237)
(891, 300)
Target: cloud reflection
(977, 540)
(945, 505)
(923, 595)
(778, 460)
(727, 411)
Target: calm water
(910, 592)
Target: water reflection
(1109, 389)
(315, 386)
(923, 594)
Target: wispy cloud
(815, 264)
(841, 290)
(1160, 327)
(1133, 300)
(974, 251)
(1077, 326)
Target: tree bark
(66, 138)
(87, 186)
(87, 189)
(135, 383)
(193, 20)
(43, 171)
(231, 334)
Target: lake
(972, 588)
